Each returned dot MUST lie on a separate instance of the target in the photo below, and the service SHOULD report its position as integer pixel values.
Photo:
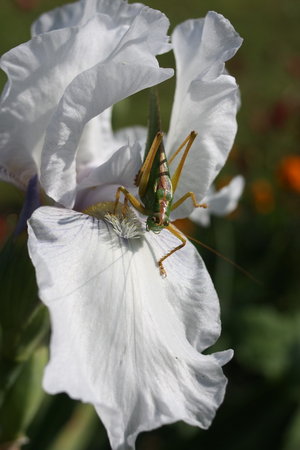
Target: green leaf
(292, 435)
(23, 319)
(18, 290)
(33, 333)
(23, 398)
(265, 341)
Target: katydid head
(155, 224)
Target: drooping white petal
(206, 101)
(189, 290)
(220, 203)
(40, 70)
(87, 96)
(123, 338)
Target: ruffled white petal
(40, 70)
(66, 16)
(220, 203)
(120, 11)
(206, 101)
(123, 338)
(87, 96)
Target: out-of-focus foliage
(261, 322)
(23, 398)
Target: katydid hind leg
(144, 172)
(187, 144)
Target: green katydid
(157, 188)
(156, 192)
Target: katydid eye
(155, 219)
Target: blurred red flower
(26, 5)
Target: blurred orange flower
(263, 196)
(289, 172)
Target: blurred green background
(261, 322)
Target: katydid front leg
(176, 233)
(131, 198)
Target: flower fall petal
(119, 334)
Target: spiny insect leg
(184, 197)
(176, 233)
(172, 157)
(128, 197)
(187, 143)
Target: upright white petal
(130, 135)
(120, 11)
(40, 70)
(101, 183)
(220, 203)
(66, 16)
(121, 169)
(87, 96)
(96, 136)
(123, 338)
(206, 101)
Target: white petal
(189, 290)
(225, 200)
(122, 13)
(201, 216)
(220, 203)
(38, 73)
(130, 135)
(97, 142)
(40, 70)
(122, 337)
(206, 101)
(87, 96)
(66, 16)
(121, 168)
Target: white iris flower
(123, 338)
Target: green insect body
(162, 196)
